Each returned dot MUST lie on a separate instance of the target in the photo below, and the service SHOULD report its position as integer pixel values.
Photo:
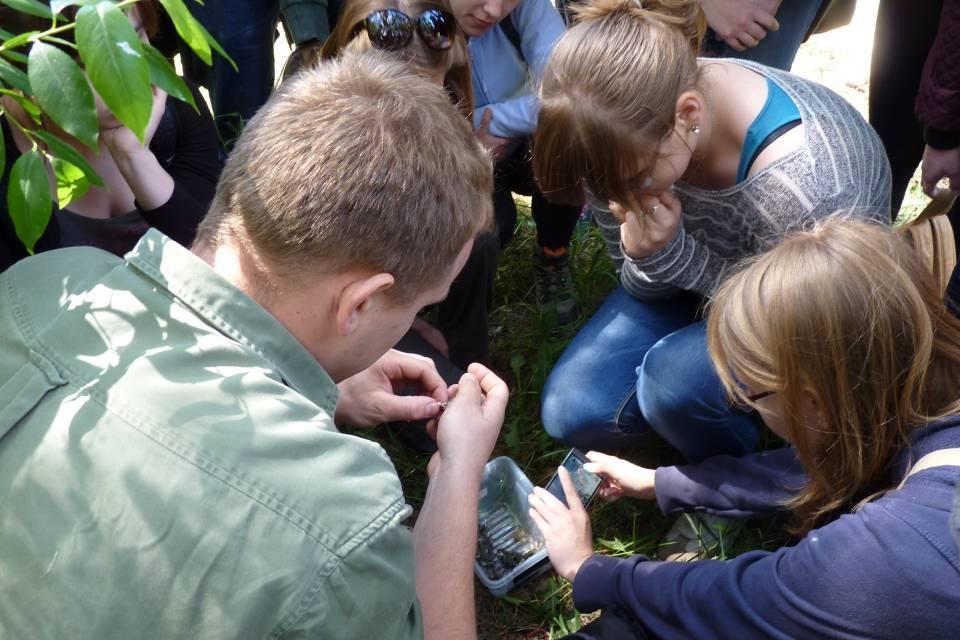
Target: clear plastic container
(510, 548)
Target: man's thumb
(410, 408)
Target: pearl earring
(695, 129)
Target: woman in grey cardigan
(691, 165)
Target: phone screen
(586, 483)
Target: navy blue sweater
(890, 570)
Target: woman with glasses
(421, 32)
(840, 340)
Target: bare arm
(445, 536)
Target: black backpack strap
(510, 30)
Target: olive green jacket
(169, 466)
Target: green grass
(525, 346)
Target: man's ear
(357, 298)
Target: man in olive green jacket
(170, 462)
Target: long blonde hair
(455, 61)
(848, 313)
(609, 93)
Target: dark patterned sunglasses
(392, 29)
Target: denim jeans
(246, 30)
(640, 366)
(778, 48)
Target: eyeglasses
(760, 396)
(392, 29)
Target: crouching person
(169, 460)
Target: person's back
(125, 408)
(169, 461)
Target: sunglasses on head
(392, 29)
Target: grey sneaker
(555, 287)
(696, 536)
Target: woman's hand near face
(150, 183)
(621, 478)
(648, 224)
(565, 530)
(120, 140)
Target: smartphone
(585, 482)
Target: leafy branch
(117, 65)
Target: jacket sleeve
(540, 26)
(938, 102)
(684, 264)
(194, 167)
(837, 582)
(306, 19)
(744, 487)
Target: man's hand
(939, 164)
(369, 398)
(468, 428)
(496, 145)
(566, 531)
(742, 24)
(621, 478)
(649, 224)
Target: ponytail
(684, 15)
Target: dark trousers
(904, 33)
(462, 317)
(612, 624)
(247, 30)
(555, 222)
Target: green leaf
(116, 66)
(164, 76)
(64, 151)
(16, 56)
(26, 104)
(63, 92)
(33, 7)
(216, 47)
(190, 31)
(56, 6)
(72, 183)
(3, 157)
(28, 198)
(20, 39)
(14, 77)
(5, 35)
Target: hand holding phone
(585, 482)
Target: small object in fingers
(653, 209)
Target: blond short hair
(848, 312)
(359, 163)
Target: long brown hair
(348, 36)
(847, 312)
(609, 93)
